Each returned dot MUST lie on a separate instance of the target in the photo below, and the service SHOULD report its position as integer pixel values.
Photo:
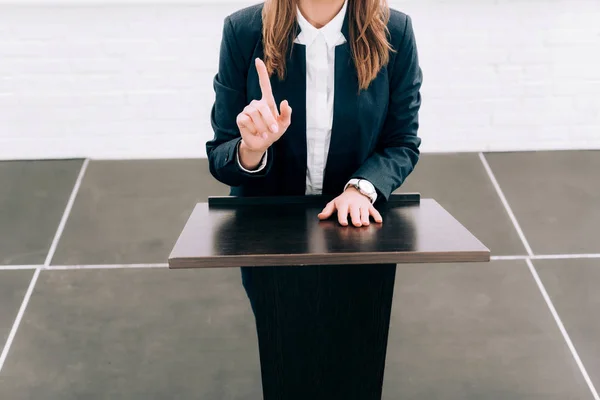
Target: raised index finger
(265, 83)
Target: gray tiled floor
(13, 285)
(476, 331)
(461, 185)
(33, 197)
(132, 211)
(135, 334)
(573, 288)
(555, 197)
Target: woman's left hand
(352, 203)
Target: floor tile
(33, 198)
(13, 286)
(135, 334)
(476, 331)
(555, 196)
(133, 211)
(573, 289)
(461, 185)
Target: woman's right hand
(260, 123)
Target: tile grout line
(563, 256)
(166, 265)
(537, 279)
(38, 269)
(65, 217)
(562, 328)
(18, 267)
(507, 258)
(511, 215)
(106, 266)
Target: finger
(355, 215)
(265, 83)
(364, 215)
(375, 214)
(244, 122)
(267, 116)
(342, 210)
(327, 211)
(257, 119)
(285, 119)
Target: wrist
(363, 187)
(250, 159)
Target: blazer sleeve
(230, 99)
(397, 149)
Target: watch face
(366, 186)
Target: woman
(319, 97)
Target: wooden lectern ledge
(282, 231)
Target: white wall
(127, 80)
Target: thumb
(285, 117)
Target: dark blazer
(374, 133)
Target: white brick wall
(135, 81)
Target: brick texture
(135, 81)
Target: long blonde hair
(367, 21)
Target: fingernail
(274, 128)
(264, 135)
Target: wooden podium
(321, 344)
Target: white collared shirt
(320, 78)
(320, 68)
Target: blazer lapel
(345, 109)
(293, 89)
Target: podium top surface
(235, 232)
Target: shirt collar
(332, 32)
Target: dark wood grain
(256, 234)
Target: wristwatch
(365, 187)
